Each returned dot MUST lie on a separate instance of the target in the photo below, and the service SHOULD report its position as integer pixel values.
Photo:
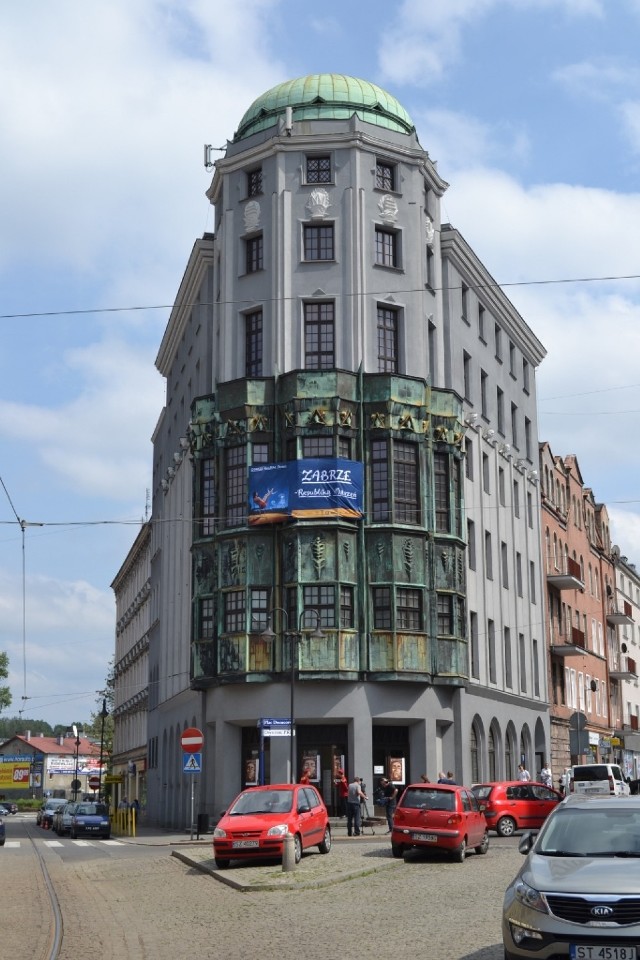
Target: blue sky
(531, 109)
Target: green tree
(5, 692)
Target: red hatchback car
(258, 820)
(439, 816)
(511, 805)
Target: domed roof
(325, 96)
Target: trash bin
(202, 824)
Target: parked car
(44, 816)
(90, 819)
(439, 816)
(598, 778)
(258, 820)
(4, 811)
(576, 894)
(511, 805)
(61, 822)
(2, 832)
(9, 806)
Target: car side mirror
(303, 808)
(526, 842)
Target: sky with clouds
(531, 109)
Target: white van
(594, 779)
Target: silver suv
(596, 779)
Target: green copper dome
(325, 96)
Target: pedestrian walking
(342, 787)
(390, 797)
(523, 773)
(449, 778)
(546, 776)
(354, 798)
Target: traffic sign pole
(192, 741)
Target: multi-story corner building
(350, 397)
(584, 615)
(132, 589)
(624, 659)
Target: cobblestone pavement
(355, 902)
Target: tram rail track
(56, 927)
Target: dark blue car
(2, 833)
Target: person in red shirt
(342, 786)
(306, 776)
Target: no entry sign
(94, 783)
(192, 740)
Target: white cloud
(459, 140)
(428, 38)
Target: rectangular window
(514, 424)
(347, 616)
(207, 623)
(481, 330)
(486, 477)
(466, 374)
(464, 302)
(523, 664)
(259, 609)
(254, 182)
(508, 677)
(488, 555)
(512, 359)
(235, 485)
(405, 483)
(387, 340)
(386, 247)
(408, 609)
(234, 611)
(320, 597)
(525, 375)
(318, 241)
(433, 351)
(385, 176)
(468, 449)
(445, 615)
(516, 498)
(491, 641)
(253, 254)
(345, 447)
(208, 497)
(253, 344)
(504, 559)
(484, 410)
(527, 438)
(381, 608)
(260, 453)
(532, 581)
(519, 573)
(501, 487)
(442, 492)
(474, 653)
(500, 409)
(471, 544)
(319, 336)
(380, 504)
(530, 510)
(316, 447)
(430, 269)
(498, 341)
(536, 669)
(319, 169)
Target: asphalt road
(137, 901)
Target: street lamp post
(294, 640)
(104, 713)
(75, 779)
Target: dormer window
(385, 175)
(319, 169)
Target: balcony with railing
(568, 643)
(619, 613)
(564, 573)
(624, 668)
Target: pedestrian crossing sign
(192, 763)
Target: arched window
(491, 748)
(475, 755)
(509, 759)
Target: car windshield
(263, 801)
(596, 772)
(591, 832)
(419, 799)
(91, 809)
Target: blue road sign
(192, 763)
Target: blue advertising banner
(305, 488)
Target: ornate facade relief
(318, 204)
(251, 216)
(388, 208)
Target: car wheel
(506, 827)
(222, 864)
(297, 848)
(461, 852)
(397, 850)
(325, 846)
(484, 846)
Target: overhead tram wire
(358, 293)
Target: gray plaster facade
(331, 313)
